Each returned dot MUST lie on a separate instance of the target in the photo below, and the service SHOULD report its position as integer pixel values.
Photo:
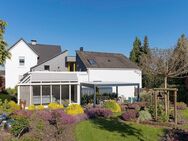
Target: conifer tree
(136, 51)
(145, 48)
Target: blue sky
(97, 25)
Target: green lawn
(113, 130)
(184, 113)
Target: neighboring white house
(24, 56)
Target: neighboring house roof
(49, 59)
(105, 60)
(43, 51)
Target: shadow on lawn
(113, 125)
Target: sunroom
(45, 87)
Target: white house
(109, 72)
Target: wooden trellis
(165, 93)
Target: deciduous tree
(168, 63)
(3, 45)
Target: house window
(92, 61)
(21, 60)
(46, 67)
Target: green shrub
(20, 124)
(145, 97)
(112, 105)
(74, 109)
(11, 91)
(5, 96)
(144, 116)
(162, 117)
(6, 107)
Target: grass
(184, 113)
(113, 130)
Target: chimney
(81, 48)
(33, 42)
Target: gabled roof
(44, 52)
(105, 60)
(49, 59)
(21, 39)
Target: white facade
(117, 75)
(15, 67)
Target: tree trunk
(165, 95)
(166, 83)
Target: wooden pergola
(165, 92)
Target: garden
(109, 121)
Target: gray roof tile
(105, 60)
(45, 51)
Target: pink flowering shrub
(98, 112)
(61, 116)
(129, 115)
(44, 115)
(80, 117)
(23, 113)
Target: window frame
(21, 61)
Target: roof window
(92, 61)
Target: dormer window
(21, 61)
(92, 61)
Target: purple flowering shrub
(80, 117)
(129, 115)
(22, 113)
(44, 115)
(98, 112)
(60, 116)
